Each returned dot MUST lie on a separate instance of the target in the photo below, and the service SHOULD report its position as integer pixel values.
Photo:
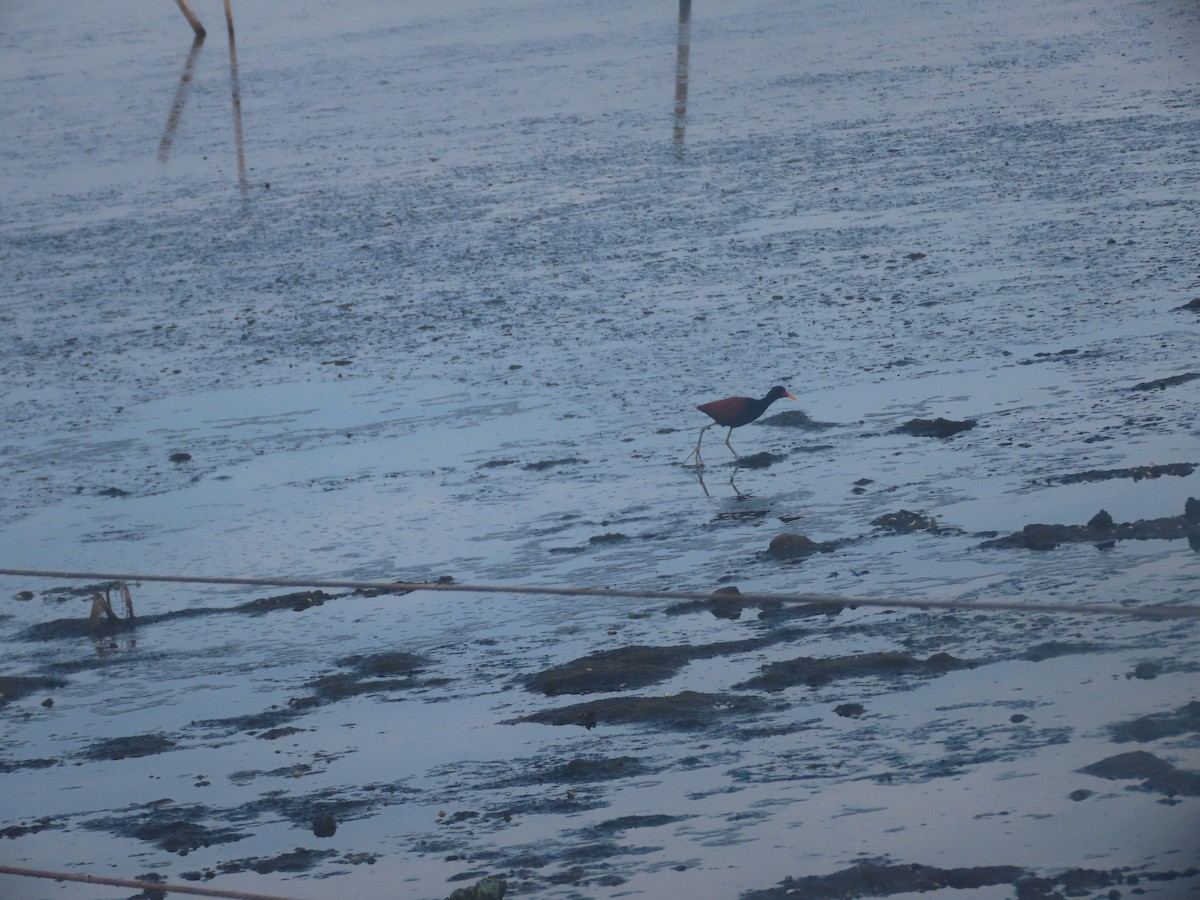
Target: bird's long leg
(729, 445)
(696, 452)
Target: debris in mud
(741, 515)
(114, 492)
(1101, 529)
(1159, 384)
(1185, 720)
(849, 710)
(1137, 473)
(685, 711)
(797, 546)
(1192, 305)
(23, 595)
(1157, 775)
(905, 522)
(817, 671)
(938, 428)
(180, 457)
(102, 605)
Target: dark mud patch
(685, 711)
(1136, 473)
(17, 687)
(176, 829)
(816, 671)
(379, 673)
(130, 747)
(640, 665)
(1156, 775)
(621, 824)
(626, 668)
(1104, 532)
(545, 464)
(936, 428)
(585, 771)
(763, 460)
(1185, 720)
(45, 823)
(1159, 384)
(879, 878)
(1055, 649)
(795, 418)
(298, 860)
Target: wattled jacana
(734, 412)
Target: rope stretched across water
(149, 886)
(1156, 612)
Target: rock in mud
(938, 428)
(796, 546)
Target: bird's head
(779, 391)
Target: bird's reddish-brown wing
(730, 412)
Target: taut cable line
(148, 886)
(748, 598)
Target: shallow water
(446, 311)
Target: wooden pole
(191, 17)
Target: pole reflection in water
(185, 80)
(681, 67)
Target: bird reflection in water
(185, 80)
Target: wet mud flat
(432, 293)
